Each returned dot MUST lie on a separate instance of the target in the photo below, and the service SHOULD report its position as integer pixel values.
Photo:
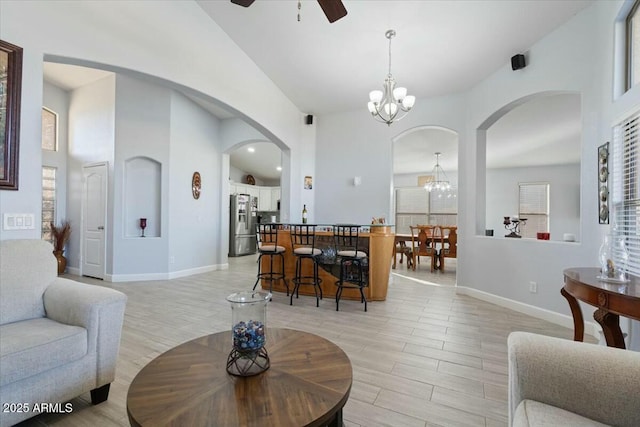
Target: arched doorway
(414, 160)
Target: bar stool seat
(268, 246)
(303, 238)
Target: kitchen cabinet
(267, 196)
(264, 199)
(275, 198)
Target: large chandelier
(385, 106)
(440, 181)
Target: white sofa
(58, 338)
(556, 382)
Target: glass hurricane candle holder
(613, 247)
(248, 354)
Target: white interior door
(94, 202)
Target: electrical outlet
(533, 287)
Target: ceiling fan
(333, 9)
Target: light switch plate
(22, 221)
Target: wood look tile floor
(424, 357)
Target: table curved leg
(610, 327)
(578, 320)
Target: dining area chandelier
(440, 182)
(392, 103)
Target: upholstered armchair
(58, 338)
(557, 382)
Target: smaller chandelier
(440, 181)
(385, 105)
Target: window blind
(49, 130)
(48, 201)
(534, 206)
(626, 188)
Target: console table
(612, 299)
(308, 384)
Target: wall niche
(142, 189)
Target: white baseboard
(164, 276)
(590, 328)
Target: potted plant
(61, 236)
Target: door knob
(100, 227)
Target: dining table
(401, 240)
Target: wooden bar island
(378, 243)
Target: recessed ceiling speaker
(309, 119)
(517, 62)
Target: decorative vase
(613, 259)
(248, 354)
(62, 261)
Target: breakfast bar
(376, 240)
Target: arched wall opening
(532, 144)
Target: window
(415, 205)
(48, 201)
(412, 204)
(49, 130)
(534, 206)
(633, 46)
(443, 207)
(626, 188)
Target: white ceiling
(441, 47)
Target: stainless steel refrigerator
(242, 225)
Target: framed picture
(308, 183)
(10, 88)
(603, 184)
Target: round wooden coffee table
(307, 384)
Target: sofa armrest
(597, 382)
(99, 310)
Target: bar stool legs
(313, 280)
(271, 276)
(358, 283)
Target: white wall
(562, 61)
(92, 33)
(564, 196)
(353, 144)
(142, 123)
(194, 225)
(91, 140)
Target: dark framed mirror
(10, 89)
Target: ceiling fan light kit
(385, 105)
(333, 9)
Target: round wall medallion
(196, 185)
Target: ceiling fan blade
(245, 3)
(333, 9)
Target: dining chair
(423, 243)
(450, 245)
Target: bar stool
(268, 245)
(346, 239)
(303, 240)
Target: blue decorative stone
(248, 336)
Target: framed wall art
(603, 183)
(10, 89)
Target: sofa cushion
(27, 267)
(33, 346)
(531, 413)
